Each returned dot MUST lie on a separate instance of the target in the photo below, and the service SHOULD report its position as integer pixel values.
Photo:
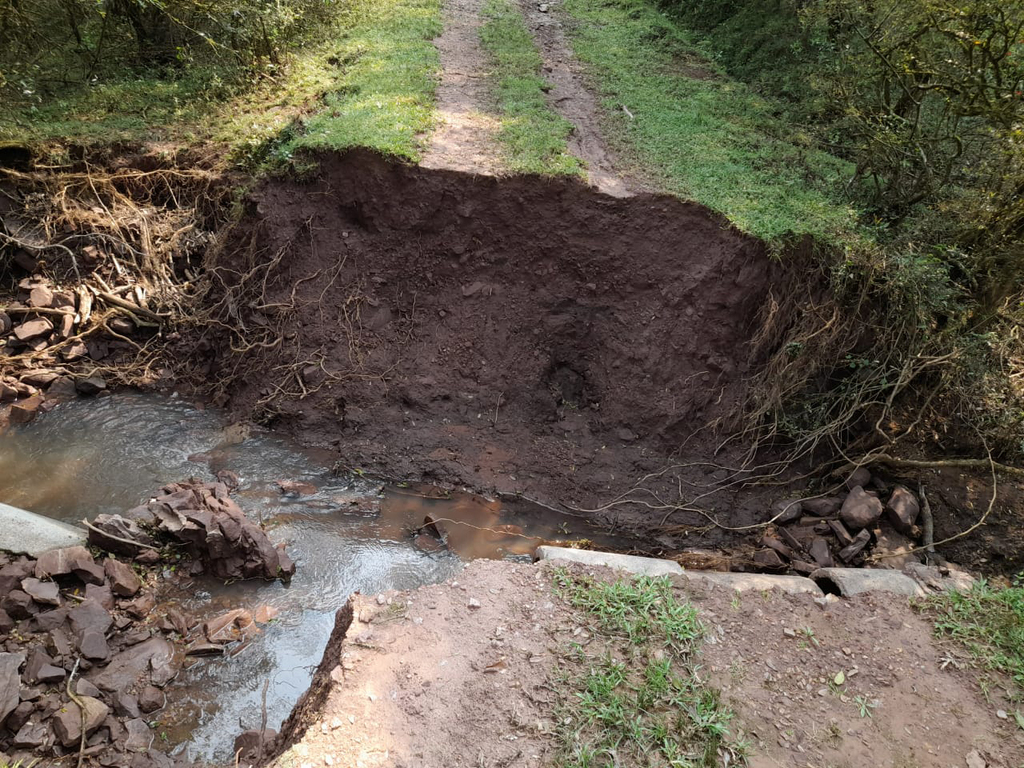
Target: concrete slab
(754, 582)
(647, 566)
(27, 533)
(856, 581)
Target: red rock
(859, 477)
(40, 668)
(60, 562)
(10, 682)
(24, 411)
(902, 509)
(822, 507)
(821, 553)
(151, 699)
(860, 509)
(32, 736)
(40, 296)
(123, 581)
(91, 385)
(846, 554)
(43, 592)
(769, 560)
(843, 535)
(67, 723)
(33, 330)
(19, 605)
(38, 378)
(140, 737)
(787, 511)
(89, 615)
(93, 645)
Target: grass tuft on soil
(703, 135)
(641, 701)
(989, 622)
(534, 136)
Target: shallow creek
(345, 533)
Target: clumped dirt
(528, 335)
(467, 673)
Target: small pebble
(335, 724)
(474, 603)
(1001, 714)
(328, 759)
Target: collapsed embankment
(520, 335)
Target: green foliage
(989, 622)
(533, 134)
(385, 96)
(641, 610)
(365, 76)
(653, 705)
(709, 138)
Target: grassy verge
(385, 94)
(707, 137)
(534, 136)
(989, 623)
(367, 80)
(643, 704)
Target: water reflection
(345, 534)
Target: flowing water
(345, 533)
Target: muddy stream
(347, 533)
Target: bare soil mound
(520, 335)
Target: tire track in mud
(572, 99)
(467, 137)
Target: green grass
(369, 81)
(385, 96)
(989, 623)
(646, 701)
(533, 135)
(706, 136)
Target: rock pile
(823, 532)
(48, 323)
(67, 608)
(202, 519)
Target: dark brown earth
(524, 335)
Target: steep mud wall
(518, 334)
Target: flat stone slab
(754, 582)
(27, 533)
(646, 566)
(856, 581)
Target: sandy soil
(466, 139)
(427, 678)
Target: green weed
(533, 134)
(652, 705)
(988, 622)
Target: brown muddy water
(346, 533)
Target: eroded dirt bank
(470, 672)
(519, 335)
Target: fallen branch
(893, 461)
(92, 527)
(117, 301)
(81, 710)
(927, 523)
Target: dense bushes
(48, 45)
(926, 99)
